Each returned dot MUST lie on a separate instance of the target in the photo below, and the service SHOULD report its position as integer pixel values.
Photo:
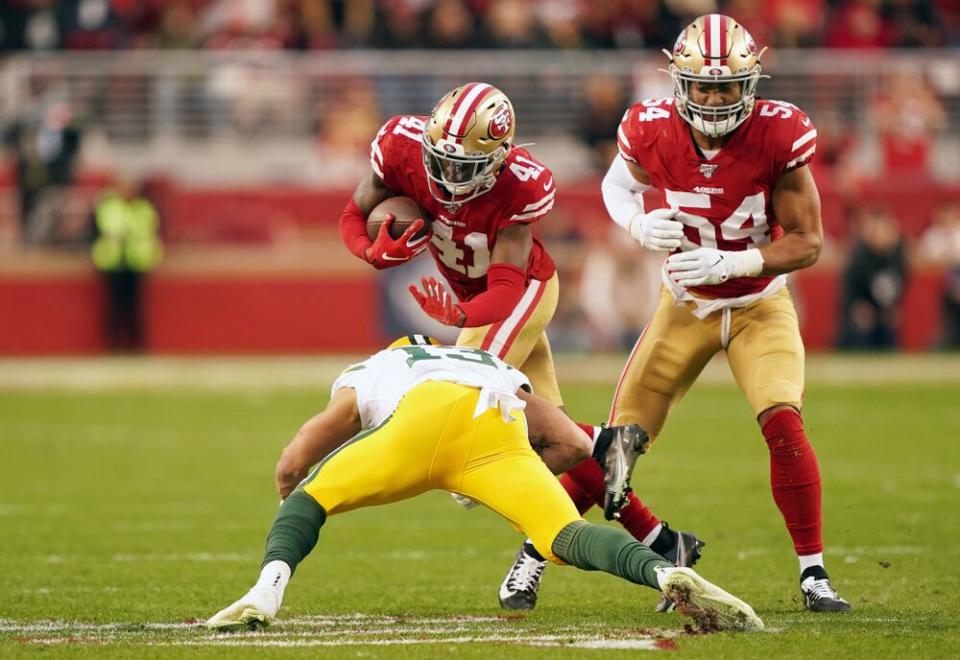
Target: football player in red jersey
(742, 210)
(483, 194)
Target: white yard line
(333, 630)
(265, 373)
(577, 641)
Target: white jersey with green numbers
(381, 380)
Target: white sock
(274, 577)
(806, 561)
(652, 536)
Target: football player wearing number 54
(741, 210)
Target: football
(404, 210)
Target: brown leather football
(404, 210)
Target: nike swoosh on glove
(711, 266)
(387, 251)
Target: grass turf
(151, 507)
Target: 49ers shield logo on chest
(707, 170)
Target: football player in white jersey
(414, 418)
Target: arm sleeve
(505, 287)
(621, 193)
(353, 230)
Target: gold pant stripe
(500, 336)
(524, 339)
(623, 375)
(433, 441)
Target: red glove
(437, 303)
(387, 252)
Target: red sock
(589, 430)
(582, 500)
(584, 484)
(795, 480)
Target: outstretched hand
(437, 302)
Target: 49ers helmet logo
(501, 122)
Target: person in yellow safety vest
(126, 246)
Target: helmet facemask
(456, 177)
(715, 121)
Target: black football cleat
(617, 449)
(686, 551)
(519, 588)
(818, 593)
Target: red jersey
(724, 201)
(463, 238)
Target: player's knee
(784, 434)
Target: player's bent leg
(292, 537)
(505, 474)
(679, 547)
(521, 585)
(616, 449)
(597, 548)
(666, 360)
(385, 464)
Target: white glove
(711, 266)
(464, 501)
(657, 230)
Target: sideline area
(296, 372)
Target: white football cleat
(257, 609)
(708, 605)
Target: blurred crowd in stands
(886, 143)
(317, 24)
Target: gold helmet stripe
(470, 97)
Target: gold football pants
(521, 341)
(433, 441)
(763, 346)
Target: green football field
(133, 507)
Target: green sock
(295, 530)
(607, 549)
